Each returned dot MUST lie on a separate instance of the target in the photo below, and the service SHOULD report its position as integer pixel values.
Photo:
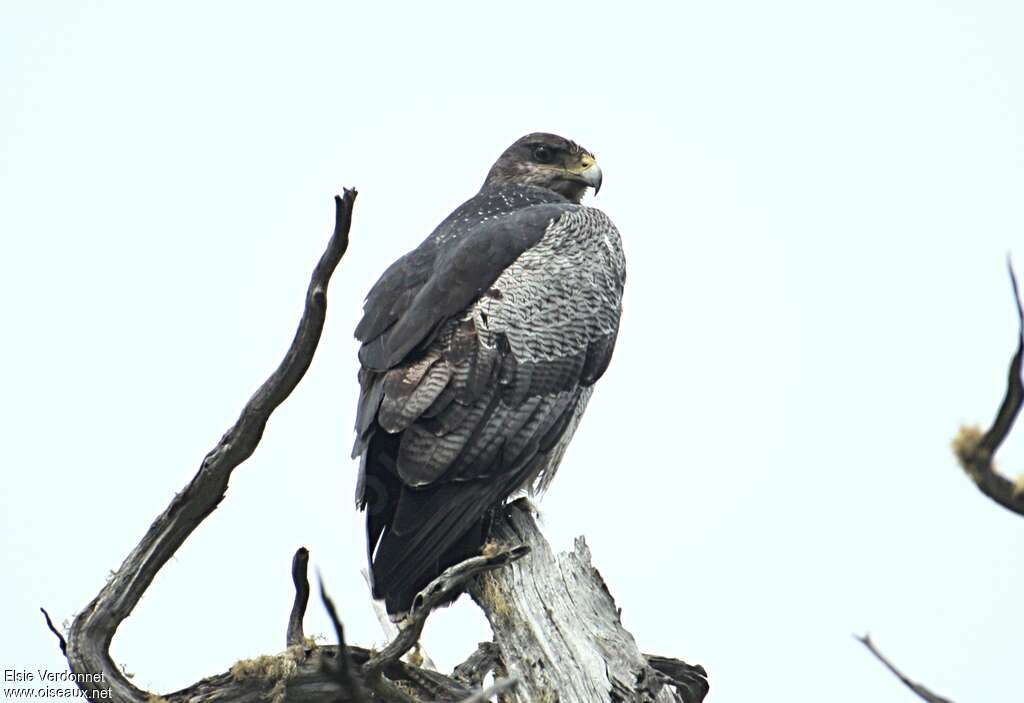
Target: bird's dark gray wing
(392, 293)
(426, 288)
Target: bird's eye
(543, 155)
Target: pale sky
(815, 200)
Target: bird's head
(547, 161)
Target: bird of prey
(480, 349)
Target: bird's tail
(413, 534)
(404, 565)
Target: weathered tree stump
(558, 631)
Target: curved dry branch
(917, 688)
(340, 666)
(976, 449)
(690, 680)
(60, 638)
(93, 629)
(440, 590)
(300, 567)
(474, 670)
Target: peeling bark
(557, 627)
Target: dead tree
(567, 646)
(976, 450)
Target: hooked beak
(590, 173)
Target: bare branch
(390, 629)
(93, 629)
(976, 450)
(690, 680)
(437, 591)
(300, 565)
(60, 638)
(917, 688)
(340, 667)
(480, 663)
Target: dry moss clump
(491, 592)
(273, 670)
(965, 446)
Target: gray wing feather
(516, 358)
(397, 321)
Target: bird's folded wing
(409, 304)
(498, 384)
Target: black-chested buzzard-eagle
(479, 352)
